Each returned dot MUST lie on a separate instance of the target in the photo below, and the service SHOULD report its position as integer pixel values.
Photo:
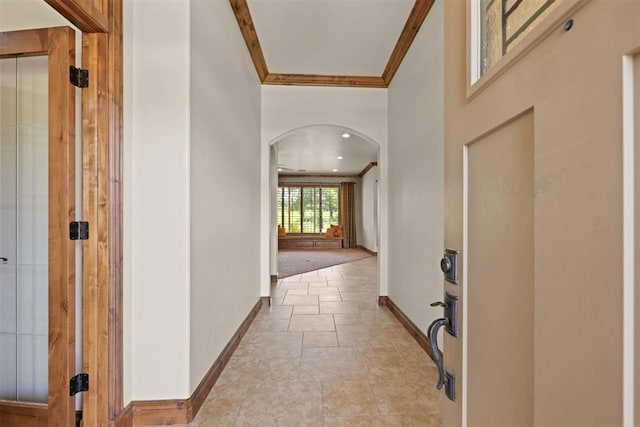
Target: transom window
(308, 208)
(503, 23)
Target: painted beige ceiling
(315, 149)
(331, 37)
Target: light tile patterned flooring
(325, 354)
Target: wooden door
(534, 203)
(58, 45)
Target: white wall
(369, 189)
(156, 208)
(285, 108)
(416, 180)
(225, 182)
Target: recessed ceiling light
(335, 170)
(340, 157)
(279, 169)
(345, 135)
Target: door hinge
(79, 230)
(78, 384)
(79, 77)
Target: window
(307, 208)
(503, 23)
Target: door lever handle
(3, 259)
(432, 334)
(439, 304)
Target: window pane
(310, 204)
(504, 23)
(330, 209)
(280, 206)
(293, 224)
(309, 209)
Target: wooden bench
(309, 241)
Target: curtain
(348, 214)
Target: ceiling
(354, 43)
(342, 37)
(344, 43)
(315, 150)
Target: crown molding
(324, 80)
(417, 16)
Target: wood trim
(411, 327)
(25, 42)
(367, 169)
(62, 140)
(110, 215)
(103, 126)
(370, 252)
(245, 22)
(83, 14)
(23, 414)
(418, 14)
(102, 253)
(183, 411)
(124, 418)
(202, 391)
(313, 175)
(95, 307)
(161, 412)
(324, 80)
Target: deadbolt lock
(449, 266)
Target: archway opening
(307, 168)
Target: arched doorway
(328, 153)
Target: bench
(309, 241)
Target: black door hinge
(78, 384)
(79, 230)
(79, 77)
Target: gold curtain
(348, 214)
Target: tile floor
(325, 354)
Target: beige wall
(572, 81)
(224, 183)
(416, 175)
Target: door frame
(102, 335)
(58, 44)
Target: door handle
(450, 323)
(4, 260)
(432, 333)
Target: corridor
(325, 354)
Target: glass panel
(24, 228)
(330, 210)
(292, 209)
(307, 209)
(503, 23)
(310, 203)
(8, 363)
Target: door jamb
(101, 24)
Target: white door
(534, 204)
